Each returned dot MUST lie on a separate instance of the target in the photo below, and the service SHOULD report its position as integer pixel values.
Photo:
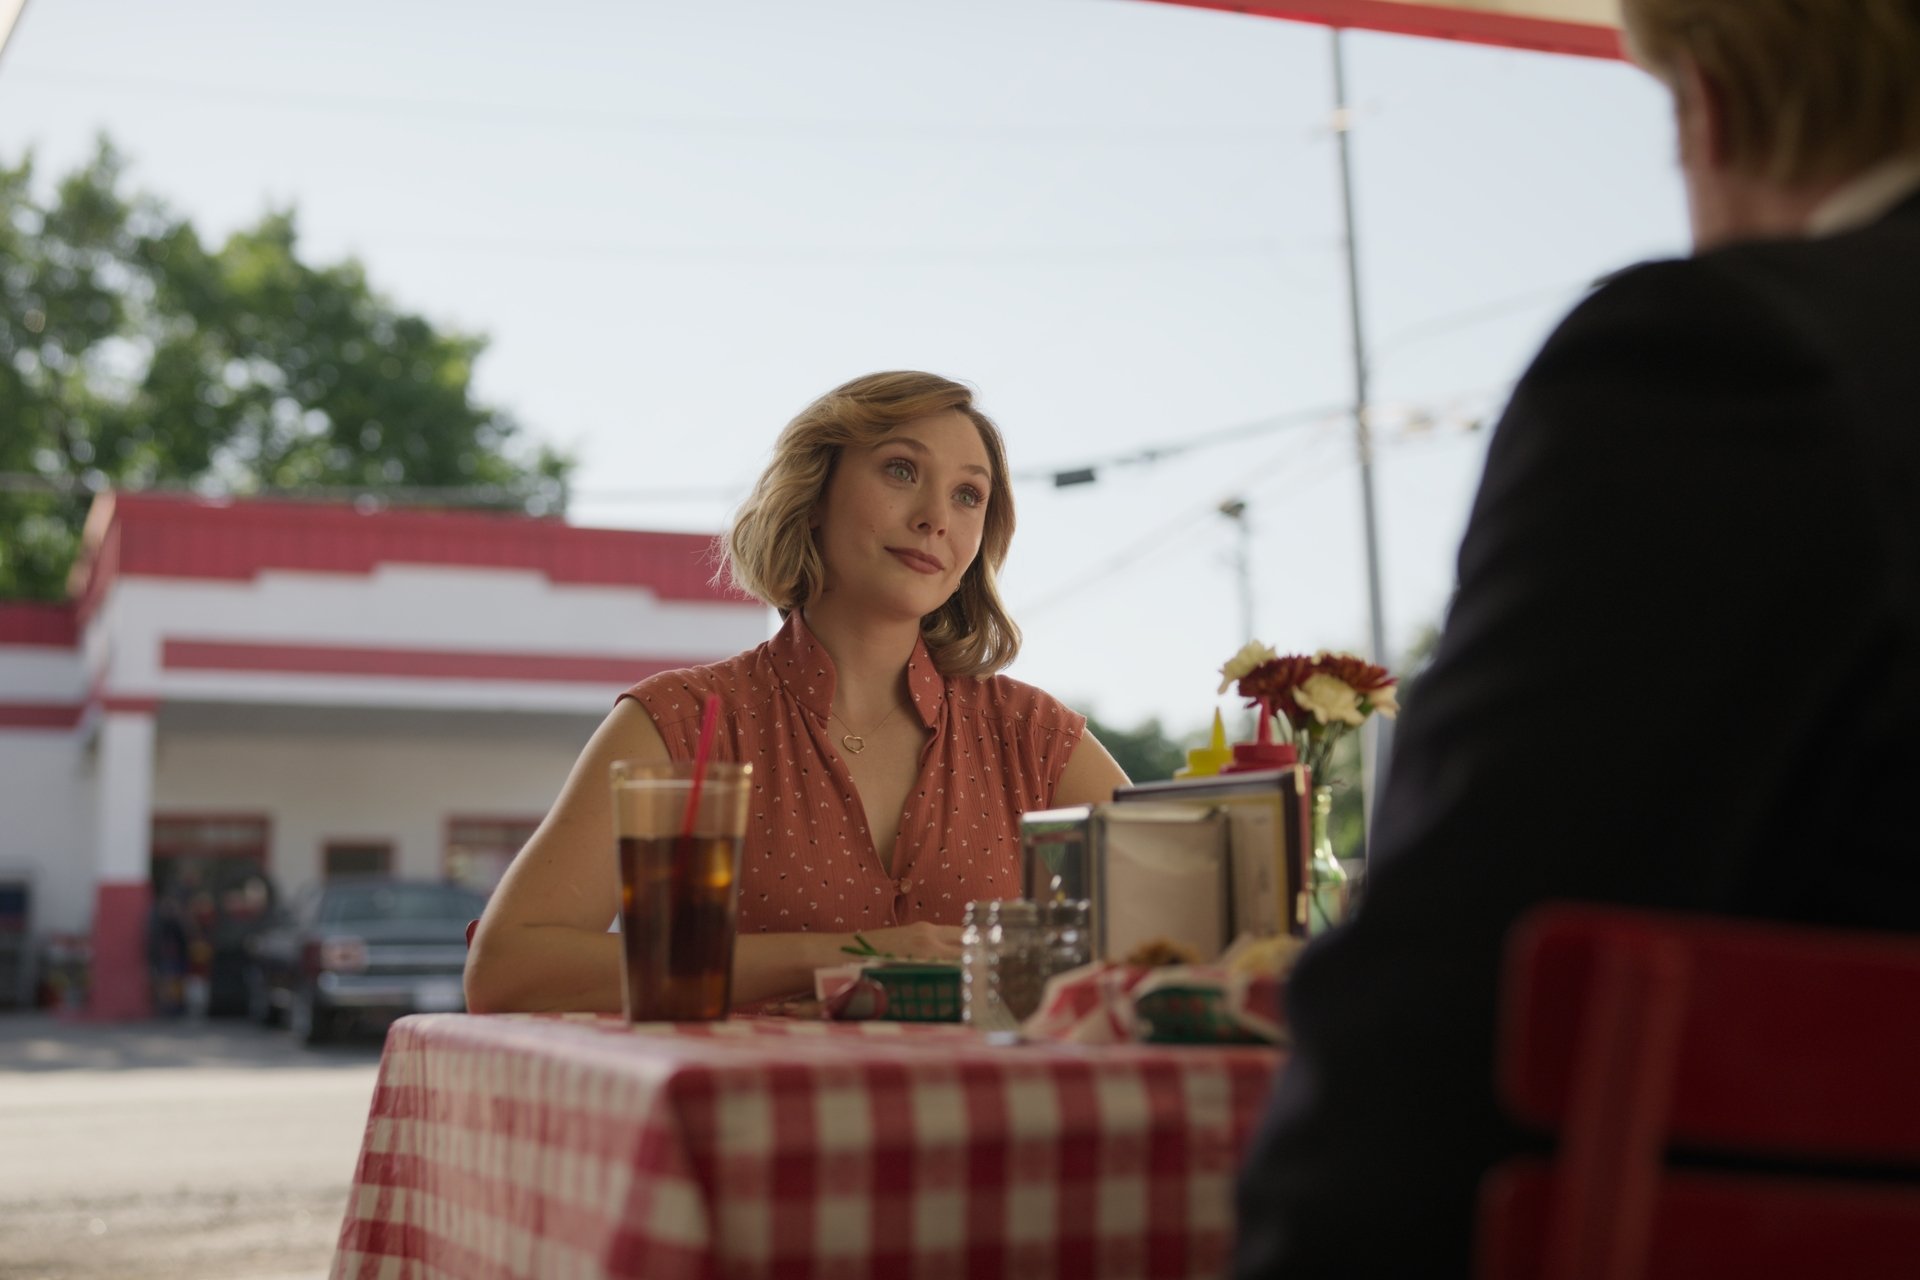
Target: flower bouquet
(1317, 699)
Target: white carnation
(1330, 698)
(1251, 655)
(1386, 701)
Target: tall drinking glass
(677, 890)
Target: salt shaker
(1068, 939)
(972, 961)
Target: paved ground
(169, 1151)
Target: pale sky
(679, 222)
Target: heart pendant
(853, 742)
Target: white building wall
(47, 791)
(316, 788)
(409, 607)
(30, 674)
(123, 756)
(47, 825)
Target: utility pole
(1235, 509)
(1376, 744)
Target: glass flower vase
(1327, 887)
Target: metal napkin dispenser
(1270, 833)
(1149, 871)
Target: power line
(1468, 317)
(555, 248)
(1260, 477)
(418, 495)
(1418, 420)
(601, 119)
(715, 493)
(1152, 453)
(1088, 469)
(1157, 539)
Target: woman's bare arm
(1090, 777)
(543, 944)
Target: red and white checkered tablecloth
(558, 1147)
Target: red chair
(1626, 1034)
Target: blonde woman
(891, 761)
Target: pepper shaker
(1002, 964)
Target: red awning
(9, 14)
(1589, 28)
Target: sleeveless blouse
(995, 748)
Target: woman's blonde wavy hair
(771, 553)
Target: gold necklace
(857, 742)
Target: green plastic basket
(919, 992)
(1185, 1015)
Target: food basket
(1191, 1015)
(1171, 1004)
(918, 992)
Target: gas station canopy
(1589, 28)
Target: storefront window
(479, 849)
(211, 893)
(357, 858)
(207, 854)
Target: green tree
(1145, 752)
(1348, 824)
(134, 356)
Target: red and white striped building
(319, 689)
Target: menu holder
(1269, 817)
(1148, 872)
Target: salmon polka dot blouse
(995, 749)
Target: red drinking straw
(709, 722)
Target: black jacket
(1682, 670)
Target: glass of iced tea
(677, 890)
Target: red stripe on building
(1474, 26)
(39, 715)
(147, 535)
(127, 705)
(413, 664)
(52, 626)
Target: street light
(1235, 509)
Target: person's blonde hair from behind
(1815, 90)
(771, 554)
